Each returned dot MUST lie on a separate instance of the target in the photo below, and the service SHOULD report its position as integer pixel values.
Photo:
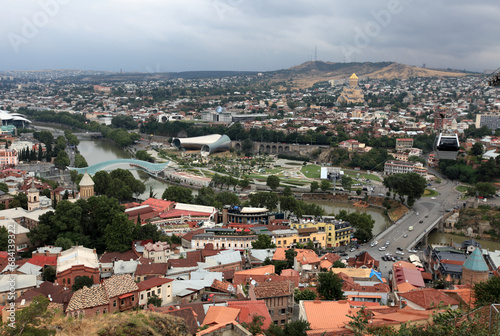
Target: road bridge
(151, 168)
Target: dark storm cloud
(159, 35)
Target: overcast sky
(183, 35)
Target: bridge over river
(151, 168)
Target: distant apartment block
(403, 144)
(492, 121)
(8, 157)
(400, 167)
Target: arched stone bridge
(152, 168)
(276, 147)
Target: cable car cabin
(447, 146)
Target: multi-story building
(76, 262)
(278, 296)
(161, 287)
(292, 237)
(403, 144)
(492, 121)
(337, 233)
(8, 157)
(223, 239)
(400, 167)
(159, 252)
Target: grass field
(311, 171)
(430, 193)
(354, 173)
(462, 188)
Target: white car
(383, 248)
(400, 252)
(433, 198)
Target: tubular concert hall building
(15, 119)
(208, 144)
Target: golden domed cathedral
(352, 94)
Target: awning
(125, 295)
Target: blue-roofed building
(475, 269)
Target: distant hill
(308, 73)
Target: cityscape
(257, 179)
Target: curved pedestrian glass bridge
(152, 168)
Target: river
(97, 150)
(381, 220)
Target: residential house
(278, 296)
(363, 259)
(118, 293)
(428, 298)
(161, 287)
(159, 252)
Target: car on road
(400, 252)
(381, 194)
(410, 228)
(421, 221)
(399, 249)
(426, 216)
(433, 198)
(384, 258)
(417, 213)
(382, 248)
(412, 251)
(388, 254)
(387, 242)
(405, 235)
(353, 249)
(343, 254)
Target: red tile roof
(42, 260)
(428, 298)
(153, 282)
(249, 309)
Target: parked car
(382, 248)
(353, 249)
(400, 252)
(426, 216)
(410, 228)
(343, 254)
(421, 221)
(433, 198)
(399, 249)
(405, 235)
(387, 242)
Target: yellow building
(338, 233)
(290, 238)
(351, 94)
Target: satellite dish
(253, 282)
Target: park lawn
(311, 171)
(354, 174)
(463, 188)
(430, 193)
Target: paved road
(426, 210)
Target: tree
(314, 186)
(49, 274)
(338, 264)
(325, 185)
(290, 255)
(63, 242)
(287, 191)
(154, 300)
(255, 326)
(177, 194)
(487, 292)
(407, 184)
(273, 182)
(62, 160)
(4, 187)
(330, 286)
(477, 149)
(263, 242)
(485, 189)
(28, 318)
(119, 233)
(20, 201)
(304, 295)
(346, 182)
(80, 282)
(4, 238)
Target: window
(97, 312)
(122, 302)
(282, 321)
(142, 296)
(282, 311)
(159, 290)
(114, 303)
(275, 322)
(133, 298)
(69, 281)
